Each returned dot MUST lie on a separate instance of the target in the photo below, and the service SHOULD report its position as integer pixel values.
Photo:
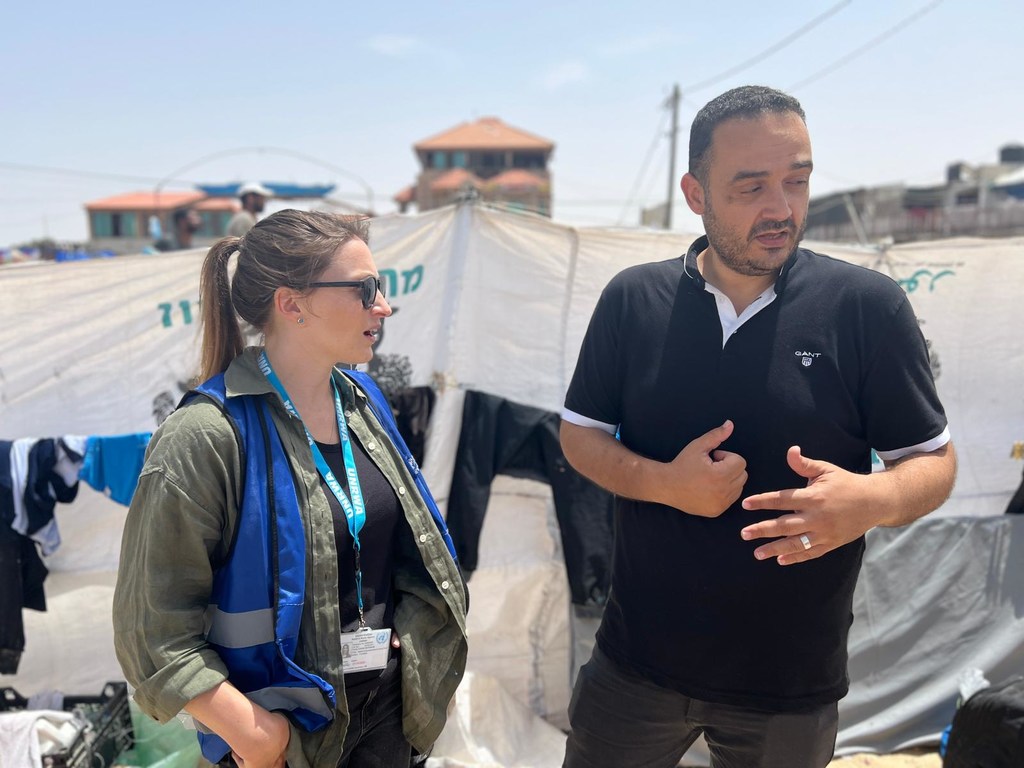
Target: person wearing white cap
(254, 197)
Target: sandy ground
(902, 760)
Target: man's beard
(731, 250)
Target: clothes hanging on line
(24, 496)
(41, 472)
(1016, 505)
(501, 437)
(35, 475)
(412, 408)
(113, 464)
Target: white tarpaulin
(495, 302)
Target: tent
(497, 302)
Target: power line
(769, 50)
(649, 192)
(83, 174)
(643, 168)
(867, 46)
(49, 218)
(172, 180)
(367, 189)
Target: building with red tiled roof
(123, 223)
(406, 196)
(487, 133)
(487, 158)
(454, 180)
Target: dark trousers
(619, 719)
(374, 738)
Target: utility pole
(673, 102)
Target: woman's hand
(267, 744)
(258, 738)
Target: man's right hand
(703, 480)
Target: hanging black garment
(44, 486)
(412, 408)
(1016, 505)
(500, 437)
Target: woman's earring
(302, 321)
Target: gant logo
(806, 358)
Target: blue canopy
(278, 188)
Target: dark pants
(375, 738)
(619, 719)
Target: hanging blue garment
(113, 464)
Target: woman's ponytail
(222, 336)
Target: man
(186, 222)
(253, 196)
(731, 399)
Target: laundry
(44, 487)
(25, 737)
(22, 574)
(412, 408)
(30, 487)
(113, 463)
(500, 437)
(1016, 504)
(35, 475)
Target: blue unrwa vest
(257, 596)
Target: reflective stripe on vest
(257, 597)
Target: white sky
(122, 89)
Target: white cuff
(582, 421)
(926, 447)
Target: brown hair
(286, 249)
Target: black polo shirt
(836, 364)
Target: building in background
(978, 201)
(133, 222)
(487, 159)
(128, 223)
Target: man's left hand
(833, 510)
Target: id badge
(365, 649)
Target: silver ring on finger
(805, 540)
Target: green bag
(170, 745)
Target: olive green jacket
(179, 528)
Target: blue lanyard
(355, 511)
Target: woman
(278, 520)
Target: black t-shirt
(377, 543)
(835, 364)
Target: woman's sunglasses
(368, 288)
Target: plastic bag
(167, 745)
(970, 681)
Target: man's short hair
(180, 215)
(744, 102)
